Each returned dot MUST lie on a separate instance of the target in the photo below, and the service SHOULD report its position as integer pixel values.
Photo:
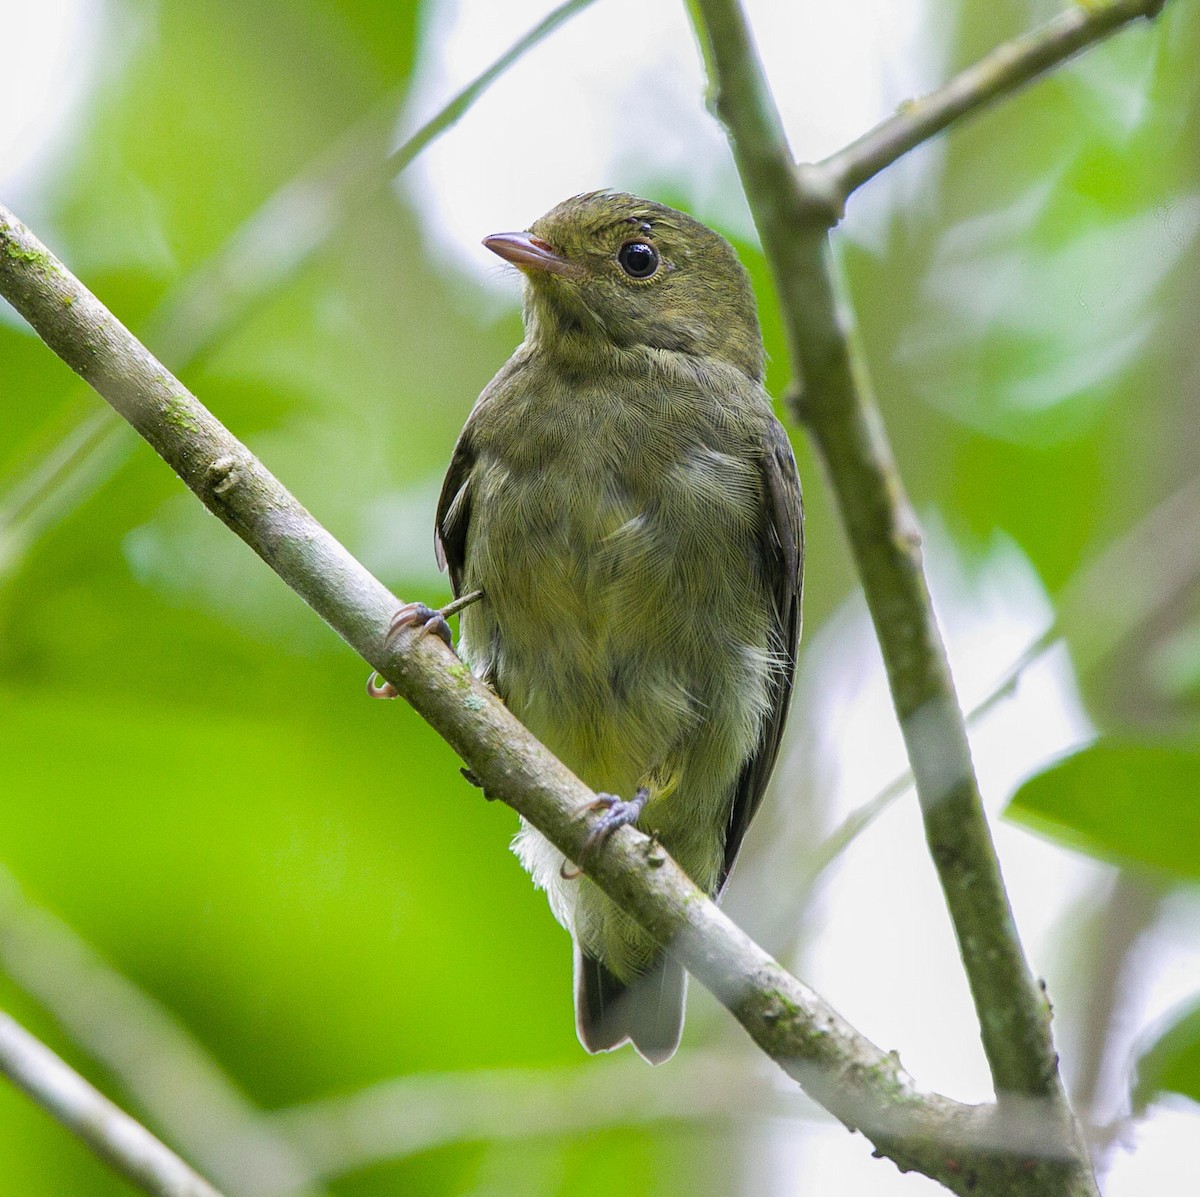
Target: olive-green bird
(628, 503)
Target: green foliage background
(189, 774)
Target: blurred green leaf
(285, 882)
(1133, 803)
(1172, 1062)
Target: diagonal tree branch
(1005, 70)
(1017, 1150)
(115, 1137)
(180, 1088)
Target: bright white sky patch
(41, 86)
(615, 98)
(41, 93)
(903, 984)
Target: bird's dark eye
(638, 259)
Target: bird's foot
(619, 814)
(427, 619)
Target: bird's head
(607, 268)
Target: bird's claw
(380, 687)
(619, 814)
(411, 615)
(428, 619)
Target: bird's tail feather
(647, 1012)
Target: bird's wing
(453, 517)
(454, 511)
(782, 546)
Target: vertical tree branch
(793, 210)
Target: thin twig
(310, 211)
(1103, 604)
(964, 1147)
(454, 110)
(169, 1075)
(1134, 579)
(256, 261)
(115, 1137)
(283, 1153)
(415, 1113)
(857, 821)
(1005, 70)
(56, 482)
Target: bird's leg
(619, 814)
(428, 619)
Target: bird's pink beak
(529, 253)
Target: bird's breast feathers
(622, 571)
(608, 499)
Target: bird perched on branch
(628, 504)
